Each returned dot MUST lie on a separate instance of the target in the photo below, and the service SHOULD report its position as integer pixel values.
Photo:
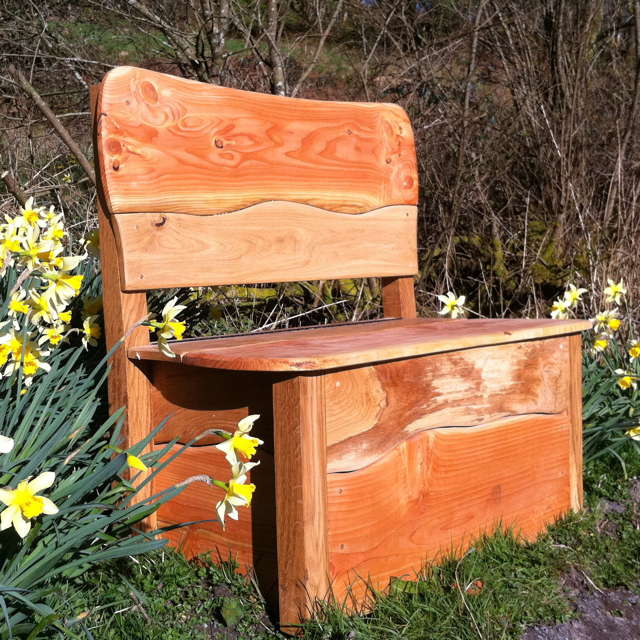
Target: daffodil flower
(452, 305)
(6, 444)
(91, 306)
(573, 295)
(600, 344)
(634, 350)
(17, 306)
(606, 320)
(30, 215)
(135, 463)
(43, 308)
(634, 433)
(240, 442)
(23, 504)
(560, 309)
(625, 379)
(91, 332)
(168, 327)
(238, 492)
(615, 291)
(53, 335)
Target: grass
(495, 591)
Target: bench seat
(348, 345)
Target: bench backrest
(205, 185)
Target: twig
(59, 128)
(14, 188)
(318, 50)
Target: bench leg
(301, 494)
(575, 415)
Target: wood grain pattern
(268, 242)
(398, 297)
(334, 347)
(250, 541)
(371, 410)
(437, 491)
(574, 380)
(301, 494)
(128, 382)
(195, 399)
(167, 144)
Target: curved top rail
(171, 145)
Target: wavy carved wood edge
(267, 242)
(372, 410)
(167, 144)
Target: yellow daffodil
(634, 350)
(238, 492)
(53, 335)
(625, 379)
(560, 309)
(6, 444)
(615, 291)
(634, 433)
(91, 332)
(573, 295)
(62, 286)
(135, 463)
(30, 215)
(241, 442)
(66, 178)
(65, 316)
(23, 504)
(43, 308)
(600, 344)
(452, 305)
(168, 327)
(17, 306)
(606, 320)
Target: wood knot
(219, 144)
(388, 160)
(115, 165)
(160, 222)
(349, 132)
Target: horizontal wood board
(437, 491)
(168, 144)
(268, 242)
(334, 347)
(370, 410)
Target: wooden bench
(387, 443)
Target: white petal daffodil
(625, 379)
(560, 309)
(238, 492)
(6, 444)
(615, 291)
(607, 320)
(452, 305)
(240, 441)
(23, 504)
(573, 295)
(168, 327)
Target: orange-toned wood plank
(329, 348)
(398, 297)
(196, 399)
(301, 494)
(269, 242)
(439, 490)
(574, 379)
(170, 144)
(128, 382)
(371, 410)
(250, 540)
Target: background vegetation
(525, 116)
